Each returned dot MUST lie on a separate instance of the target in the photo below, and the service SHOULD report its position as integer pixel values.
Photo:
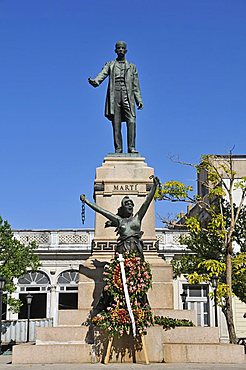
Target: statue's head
(126, 208)
(121, 48)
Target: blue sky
(191, 60)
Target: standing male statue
(123, 92)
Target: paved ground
(5, 364)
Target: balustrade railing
(82, 239)
(16, 330)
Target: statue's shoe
(133, 150)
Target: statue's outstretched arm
(148, 199)
(95, 82)
(99, 209)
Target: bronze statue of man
(123, 92)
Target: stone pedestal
(160, 296)
(91, 284)
(121, 175)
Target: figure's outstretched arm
(100, 210)
(150, 196)
(95, 82)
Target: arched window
(68, 279)
(68, 289)
(34, 281)
(37, 284)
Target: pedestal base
(122, 175)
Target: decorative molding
(99, 187)
(110, 246)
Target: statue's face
(120, 50)
(128, 206)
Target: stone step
(203, 353)
(186, 335)
(72, 317)
(82, 334)
(52, 354)
(154, 340)
(76, 317)
(156, 336)
(163, 300)
(176, 314)
(68, 335)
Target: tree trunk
(228, 311)
(229, 320)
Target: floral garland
(116, 320)
(138, 276)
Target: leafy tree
(15, 260)
(215, 225)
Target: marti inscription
(126, 187)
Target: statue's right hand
(92, 82)
(82, 198)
